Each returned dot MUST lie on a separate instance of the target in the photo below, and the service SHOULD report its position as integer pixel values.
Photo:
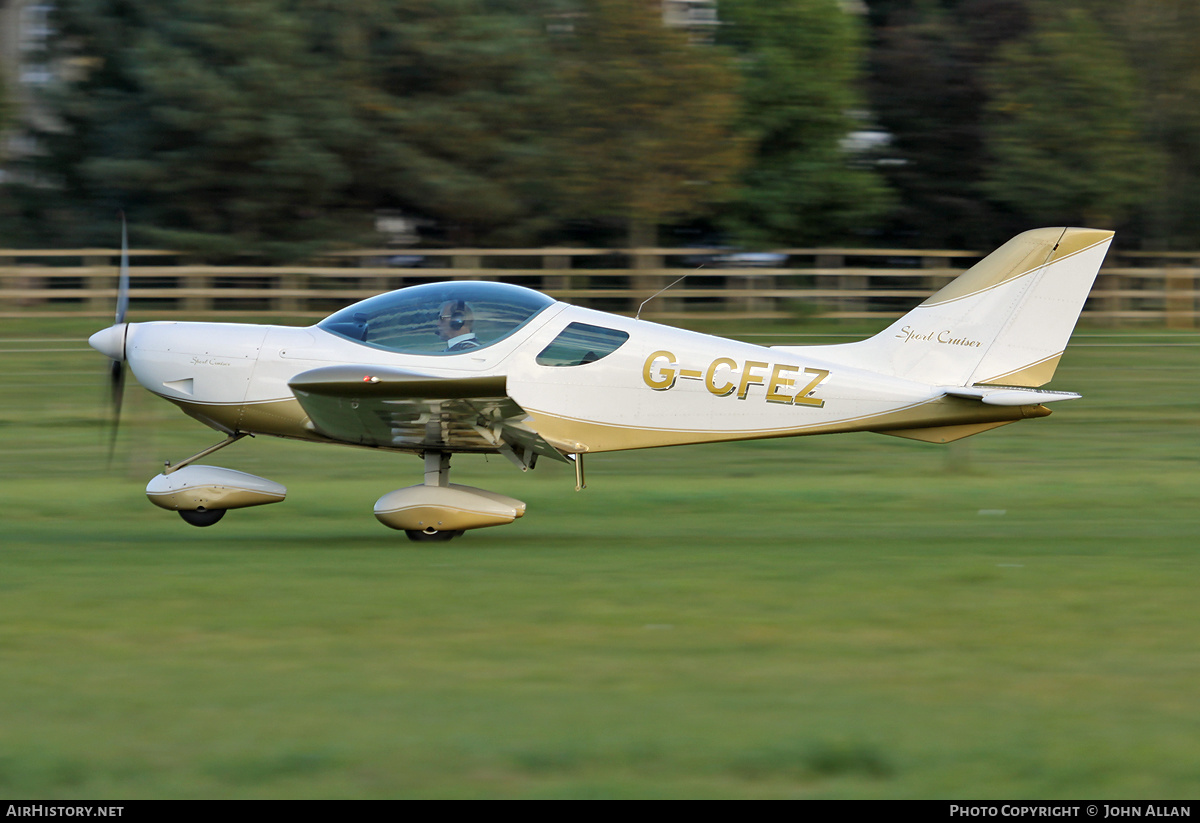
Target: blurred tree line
(4, 104)
(1006, 114)
(285, 126)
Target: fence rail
(1152, 288)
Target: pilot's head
(454, 318)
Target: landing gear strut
(437, 475)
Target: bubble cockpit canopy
(425, 319)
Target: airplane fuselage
(663, 386)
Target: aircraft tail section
(1005, 321)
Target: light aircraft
(486, 367)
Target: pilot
(454, 323)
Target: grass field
(1015, 615)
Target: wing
(394, 408)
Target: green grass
(1014, 615)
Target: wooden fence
(1144, 288)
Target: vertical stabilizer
(1005, 321)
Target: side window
(579, 344)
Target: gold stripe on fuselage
(942, 411)
(286, 418)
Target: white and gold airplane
(490, 368)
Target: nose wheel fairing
(211, 487)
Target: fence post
(839, 282)
(287, 287)
(195, 303)
(754, 284)
(647, 278)
(1180, 301)
(1110, 304)
(98, 280)
(558, 272)
(471, 263)
(20, 280)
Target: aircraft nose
(111, 341)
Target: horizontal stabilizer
(1008, 395)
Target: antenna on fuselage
(638, 316)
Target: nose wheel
(201, 517)
(202, 494)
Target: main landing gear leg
(437, 509)
(228, 441)
(437, 473)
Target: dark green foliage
(453, 97)
(1160, 43)
(1064, 128)
(644, 118)
(928, 91)
(1009, 113)
(800, 62)
(5, 107)
(204, 121)
(5, 116)
(281, 126)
